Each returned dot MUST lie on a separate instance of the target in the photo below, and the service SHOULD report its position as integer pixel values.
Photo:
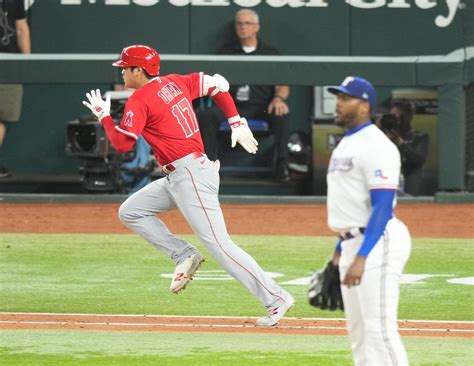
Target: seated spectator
(264, 102)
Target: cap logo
(347, 80)
(365, 96)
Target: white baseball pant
(371, 308)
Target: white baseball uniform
(367, 160)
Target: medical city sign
(448, 8)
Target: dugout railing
(450, 74)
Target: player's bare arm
(23, 35)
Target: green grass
(121, 274)
(51, 348)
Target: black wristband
(280, 97)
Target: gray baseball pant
(193, 188)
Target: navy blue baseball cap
(357, 87)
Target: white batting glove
(99, 107)
(241, 133)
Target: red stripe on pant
(219, 244)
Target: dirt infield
(161, 323)
(424, 220)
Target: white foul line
(220, 317)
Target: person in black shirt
(266, 102)
(14, 38)
(412, 144)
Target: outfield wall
(183, 31)
(49, 106)
(297, 27)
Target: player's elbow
(124, 146)
(215, 84)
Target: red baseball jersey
(163, 113)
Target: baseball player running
(161, 111)
(362, 182)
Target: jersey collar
(154, 79)
(356, 129)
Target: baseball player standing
(362, 182)
(161, 111)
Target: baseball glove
(325, 289)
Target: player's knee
(125, 214)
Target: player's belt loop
(168, 168)
(352, 233)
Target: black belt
(348, 235)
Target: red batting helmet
(142, 56)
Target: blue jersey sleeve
(338, 246)
(382, 211)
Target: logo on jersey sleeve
(340, 164)
(128, 119)
(379, 174)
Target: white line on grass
(221, 317)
